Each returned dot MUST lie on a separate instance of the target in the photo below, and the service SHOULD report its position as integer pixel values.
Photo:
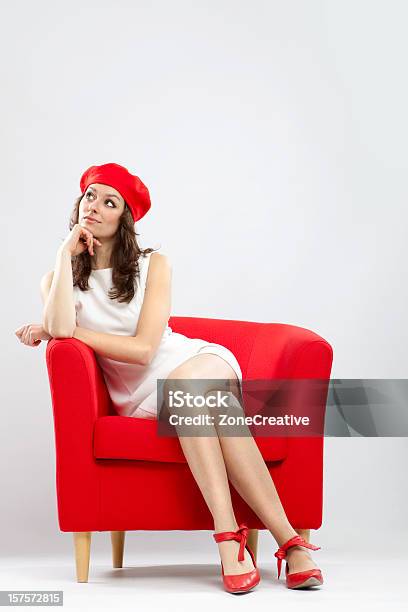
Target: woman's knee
(198, 377)
(193, 377)
(224, 402)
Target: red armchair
(104, 460)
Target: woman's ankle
(223, 525)
(284, 535)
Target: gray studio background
(273, 139)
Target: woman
(116, 298)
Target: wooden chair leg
(82, 545)
(253, 541)
(304, 533)
(118, 541)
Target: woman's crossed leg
(214, 459)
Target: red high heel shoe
(239, 583)
(312, 577)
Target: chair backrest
(237, 336)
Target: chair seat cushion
(118, 437)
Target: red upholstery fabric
(118, 437)
(114, 473)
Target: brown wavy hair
(124, 258)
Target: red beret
(130, 187)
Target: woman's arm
(153, 318)
(128, 349)
(156, 307)
(59, 315)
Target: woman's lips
(91, 220)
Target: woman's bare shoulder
(160, 260)
(160, 267)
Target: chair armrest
(79, 396)
(282, 352)
(288, 351)
(282, 357)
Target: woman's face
(104, 204)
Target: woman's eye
(90, 193)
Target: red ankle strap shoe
(312, 577)
(239, 583)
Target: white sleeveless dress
(133, 387)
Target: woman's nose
(92, 206)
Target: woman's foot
(229, 557)
(299, 560)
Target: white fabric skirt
(133, 388)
